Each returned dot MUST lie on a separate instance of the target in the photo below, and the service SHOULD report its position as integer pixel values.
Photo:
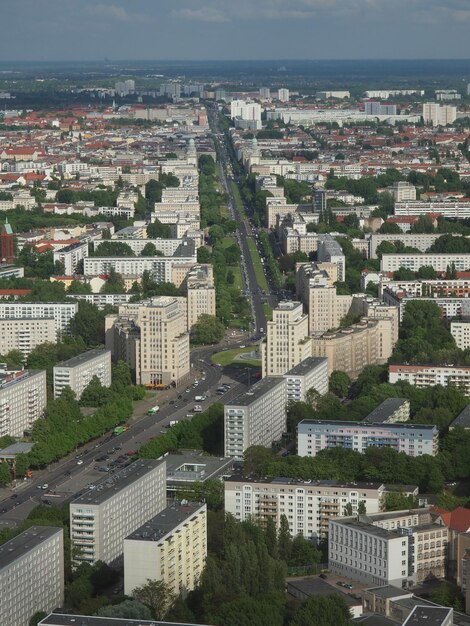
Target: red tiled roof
(458, 519)
(14, 292)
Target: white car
(45, 486)
(80, 462)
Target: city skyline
(301, 29)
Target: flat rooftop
(256, 391)
(304, 483)
(166, 521)
(396, 426)
(56, 619)
(385, 410)
(389, 591)
(306, 366)
(110, 486)
(89, 355)
(318, 587)
(430, 615)
(191, 467)
(24, 542)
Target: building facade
(61, 312)
(78, 371)
(25, 334)
(312, 373)
(23, 399)
(431, 375)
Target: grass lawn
(260, 277)
(238, 198)
(229, 357)
(268, 312)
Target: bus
(119, 430)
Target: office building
(287, 342)
(23, 398)
(283, 95)
(412, 439)
(25, 334)
(307, 505)
(31, 574)
(311, 373)
(171, 547)
(152, 338)
(256, 417)
(397, 548)
(460, 331)
(430, 375)
(60, 312)
(390, 411)
(78, 371)
(70, 256)
(101, 518)
(441, 262)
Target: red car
(131, 452)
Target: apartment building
(386, 316)
(152, 338)
(78, 371)
(397, 548)
(159, 267)
(351, 349)
(441, 262)
(200, 293)
(23, 398)
(458, 210)
(171, 547)
(450, 307)
(312, 373)
(329, 251)
(412, 439)
(101, 518)
(256, 417)
(420, 241)
(61, 312)
(287, 342)
(168, 247)
(402, 191)
(460, 331)
(70, 256)
(101, 300)
(431, 375)
(439, 115)
(390, 411)
(25, 334)
(307, 505)
(31, 574)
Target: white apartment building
(431, 375)
(23, 398)
(171, 547)
(441, 262)
(460, 331)
(78, 371)
(439, 115)
(101, 300)
(312, 373)
(245, 110)
(100, 519)
(412, 439)
(70, 256)
(329, 251)
(283, 95)
(396, 548)
(402, 191)
(31, 574)
(459, 210)
(307, 505)
(420, 241)
(287, 342)
(25, 334)
(168, 247)
(200, 293)
(159, 267)
(256, 417)
(60, 312)
(152, 338)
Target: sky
(45, 30)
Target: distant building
(430, 375)
(371, 107)
(7, 243)
(402, 191)
(23, 398)
(70, 256)
(439, 115)
(460, 331)
(78, 371)
(101, 518)
(265, 93)
(31, 574)
(283, 95)
(171, 547)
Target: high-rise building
(283, 95)
(311, 373)
(287, 342)
(25, 334)
(402, 191)
(31, 574)
(437, 115)
(23, 398)
(200, 293)
(265, 93)
(70, 256)
(372, 107)
(101, 518)
(61, 312)
(152, 338)
(7, 243)
(78, 371)
(125, 87)
(149, 551)
(256, 417)
(431, 375)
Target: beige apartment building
(31, 574)
(152, 338)
(171, 547)
(25, 334)
(100, 519)
(287, 342)
(200, 293)
(350, 349)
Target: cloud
(204, 14)
(115, 13)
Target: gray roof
(56, 619)
(385, 410)
(256, 391)
(463, 419)
(166, 521)
(396, 426)
(19, 447)
(306, 366)
(24, 542)
(84, 357)
(193, 466)
(432, 616)
(279, 480)
(388, 591)
(375, 620)
(111, 485)
(318, 587)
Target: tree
(129, 609)
(284, 540)
(398, 501)
(304, 552)
(348, 510)
(339, 383)
(149, 249)
(114, 247)
(88, 324)
(79, 287)
(157, 595)
(361, 509)
(427, 271)
(157, 230)
(95, 394)
(114, 284)
(37, 617)
(207, 330)
(390, 228)
(330, 610)
(5, 475)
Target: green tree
(5, 475)
(390, 228)
(149, 249)
(129, 609)
(339, 383)
(114, 283)
(114, 248)
(157, 230)
(79, 287)
(207, 330)
(157, 595)
(37, 617)
(95, 394)
(284, 540)
(329, 610)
